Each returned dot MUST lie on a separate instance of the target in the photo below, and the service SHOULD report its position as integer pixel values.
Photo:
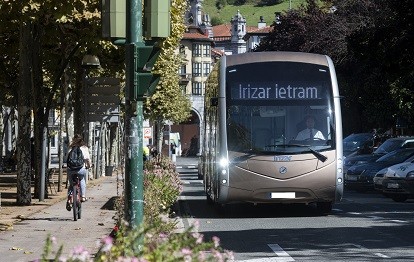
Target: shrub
(155, 239)
(145, 244)
(159, 246)
(162, 187)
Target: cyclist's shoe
(83, 199)
(68, 206)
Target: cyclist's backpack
(75, 158)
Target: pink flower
(198, 237)
(216, 241)
(186, 251)
(107, 243)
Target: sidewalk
(26, 228)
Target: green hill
(251, 10)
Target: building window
(53, 141)
(196, 69)
(196, 50)
(183, 89)
(197, 88)
(52, 117)
(206, 51)
(183, 70)
(206, 69)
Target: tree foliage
(169, 102)
(58, 35)
(371, 44)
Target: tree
(169, 102)
(49, 42)
(357, 36)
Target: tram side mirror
(214, 101)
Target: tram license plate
(392, 185)
(283, 195)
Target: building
(195, 48)
(254, 36)
(201, 45)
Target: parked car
(358, 142)
(378, 178)
(398, 182)
(361, 176)
(389, 145)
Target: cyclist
(77, 141)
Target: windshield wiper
(318, 155)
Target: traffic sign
(102, 99)
(147, 132)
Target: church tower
(194, 16)
(238, 30)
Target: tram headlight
(224, 162)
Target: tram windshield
(279, 107)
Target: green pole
(134, 195)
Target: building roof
(259, 32)
(224, 30)
(195, 33)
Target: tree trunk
(24, 196)
(39, 107)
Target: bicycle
(76, 202)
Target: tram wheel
(210, 201)
(324, 207)
(399, 198)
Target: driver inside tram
(310, 133)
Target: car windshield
(353, 142)
(388, 146)
(397, 156)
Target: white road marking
(398, 221)
(381, 255)
(375, 217)
(188, 182)
(281, 256)
(364, 248)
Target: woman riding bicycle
(82, 171)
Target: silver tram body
(254, 106)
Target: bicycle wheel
(79, 204)
(75, 202)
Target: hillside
(250, 11)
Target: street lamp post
(88, 62)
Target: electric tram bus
(255, 106)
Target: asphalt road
(362, 227)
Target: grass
(249, 11)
